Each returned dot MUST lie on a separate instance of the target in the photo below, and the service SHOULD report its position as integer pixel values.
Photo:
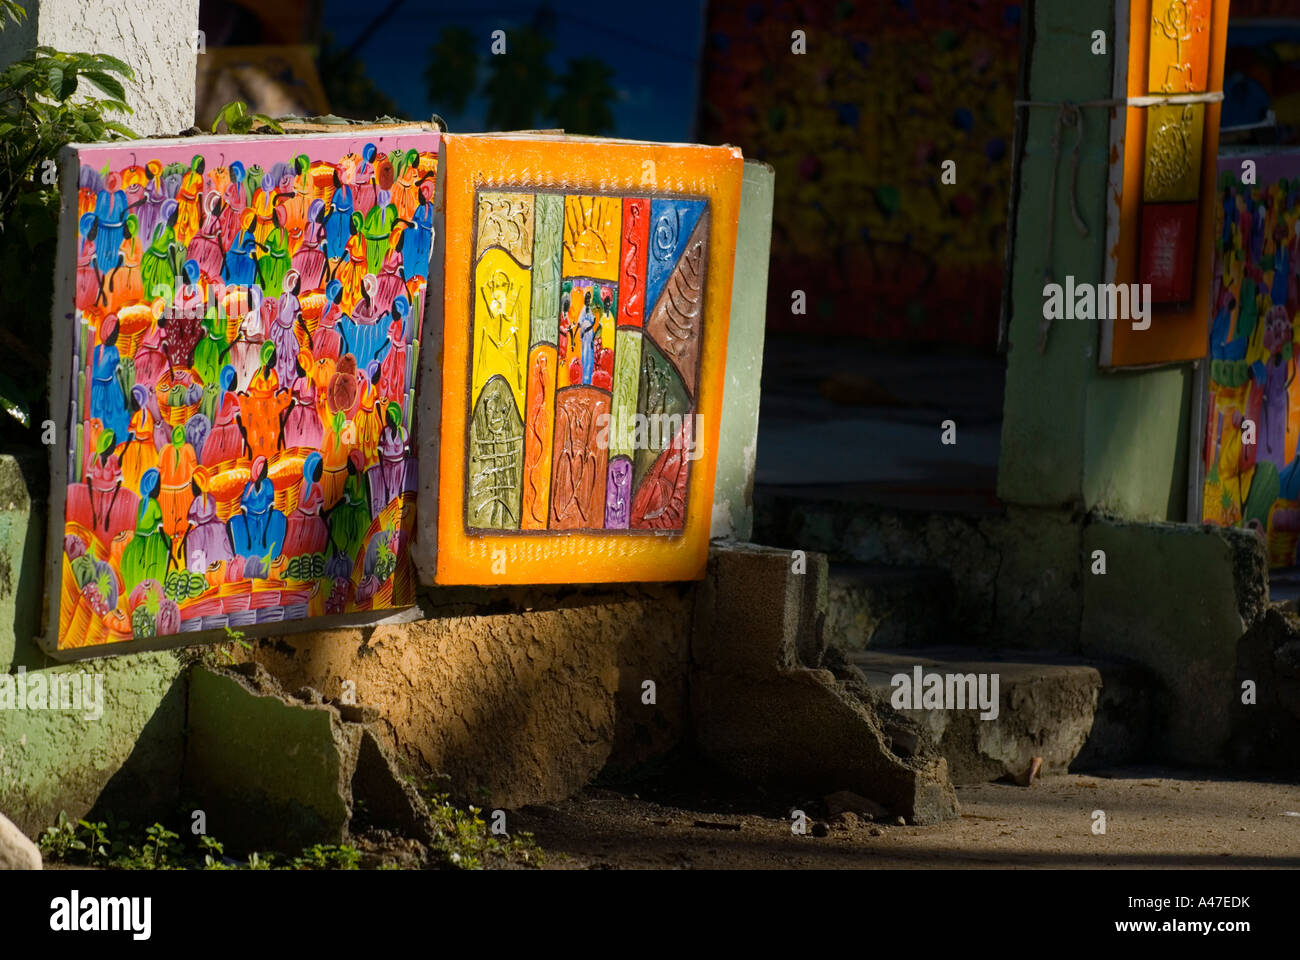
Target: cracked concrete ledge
(1176, 599)
(1067, 712)
(302, 764)
(765, 712)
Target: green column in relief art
(548, 222)
(627, 380)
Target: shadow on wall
(146, 787)
(515, 707)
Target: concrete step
(1072, 713)
(877, 606)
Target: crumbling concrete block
(762, 713)
(1038, 594)
(269, 773)
(1014, 573)
(1177, 599)
(1053, 708)
(1266, 707)
(274, 773)
(125, 753)
(779, 596)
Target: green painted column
(733, 489)
(1074, 435)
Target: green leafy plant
(84, 843)
(213, 853)
(48, 99)
(11, 10)
(159, 847)
(95, 837)
(233, 638)
(80, 841)
(60, 841)
(462, 840)
(327, 857)
(238, 120)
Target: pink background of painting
(263, 151)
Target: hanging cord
(1068, 116)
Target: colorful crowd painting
(1252, 383)
(585, 354)
(245, 342)
(858, 128)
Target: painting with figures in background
(238, 368)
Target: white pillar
(155, 37)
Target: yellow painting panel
(591, 236)
(1180, 46)
(1173, 153)
(1176, 333)
(502, 296)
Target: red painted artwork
(1168, 250)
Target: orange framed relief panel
(1161, 186)
(588, 289)
(237, 330)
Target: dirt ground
(1154, 818)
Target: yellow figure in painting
(502, 296)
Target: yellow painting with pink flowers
(238, 365)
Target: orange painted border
(579, 166)
(1180, 334)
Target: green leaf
(11, 10)
(109, 84)
(66, 84)
(268, 122)
(231, 115)
(112, 106)
(104, 62)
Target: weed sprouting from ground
(82, 843)
(462, 839)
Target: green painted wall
(1136, 443)
(733, 489)
(52, 760)
(1072, 434)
